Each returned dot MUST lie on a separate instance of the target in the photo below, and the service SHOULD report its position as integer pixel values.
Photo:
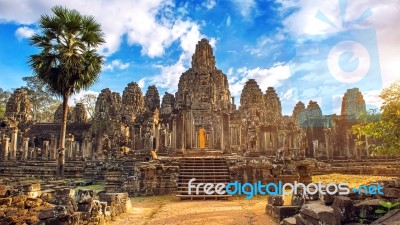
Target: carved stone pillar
(13, 146)
(53, 148)
(347, 145)
(5, 147)
(25, 148)
(45, 152)
(68, 146)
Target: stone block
(289, 221)
(276, 200)
(318, 213)
(366, 209)
(47, 212)
(301, 221)
(64, 192)
(391, 192)
(282, 212)
(85, 196)
(343, 208)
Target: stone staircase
(206, 170)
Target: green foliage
(68, 61)
(388, 206)
(4, 95)
(383, 127)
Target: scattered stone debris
(344, 209)
(31, 203)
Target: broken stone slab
(390, 218)
(366, 209)
(65, 192)
(318, 213)
(275, 200)
(85, 196)
(47, 212)
(289, 221)
(342, 208)
(301, 221)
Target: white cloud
(77, 96)
(150, 24)
(116, 63)
(265, 77)
(385, 13)
(228, 21)
(169, 75)
(245, 7)
(209, 4)
(24, 32)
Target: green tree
(383, 127)
(4, 95)
(43, 102)
(89, 100)
(67, 61)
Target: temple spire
(203, 58)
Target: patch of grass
(351, 180)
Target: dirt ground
(166, 210)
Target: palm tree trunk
(61, 150)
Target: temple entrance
(202, 137)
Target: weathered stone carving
(19, 106)
(79, 114)
(133, 102)
(167, 104)
(152, 98)
(353, 103)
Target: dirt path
(168, 210)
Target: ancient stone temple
(19, 107)
(203, 100)
(353, 103)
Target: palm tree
(67, 61)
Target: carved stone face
(270, 117)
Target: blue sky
(280, 43)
